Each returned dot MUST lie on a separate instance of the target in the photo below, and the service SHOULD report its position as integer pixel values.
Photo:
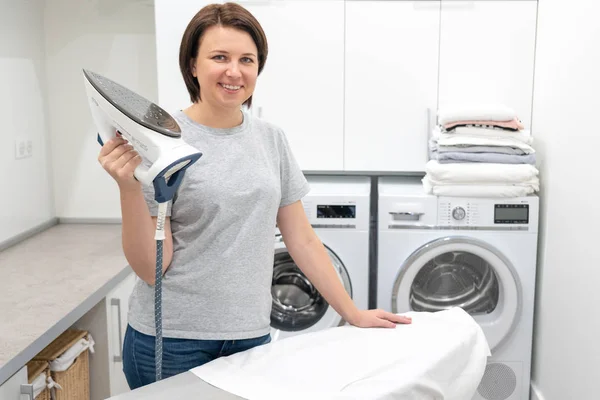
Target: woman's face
(226, 67)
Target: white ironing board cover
(440, 355)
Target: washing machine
(475, 253)
(338, 209)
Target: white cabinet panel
(301, 88)
(487, 54)
(11, 389)
(171, 18)
(117, 303)
(390, 83)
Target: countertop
(49, 281)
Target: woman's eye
(221, 57)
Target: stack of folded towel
(481, 151)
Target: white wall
(114, 38)
(26, 194)
(566, 339)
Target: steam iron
(156, 136)
(153, 133)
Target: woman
(218, 251)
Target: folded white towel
(479, 190)
(533, 183)
(485, 173)
(477, 112)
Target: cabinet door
(117, 303)
(170, 19)
(391, 83)
(487, 54)
(11, 389)
(301, 88)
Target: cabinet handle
(426, 5)
(117, 302)
(428, 134)
(27, 389)
(258, 2)
(457, 5)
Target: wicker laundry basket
(75, 381)
(35, 369)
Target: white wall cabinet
(487, 54)
(390, 83)
(301, 88)
(356, 84)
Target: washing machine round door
(298, 307)
(461, 272)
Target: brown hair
(228, 14)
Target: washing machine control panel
(514, 213)
(337, 213)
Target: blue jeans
(179, 355)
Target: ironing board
(439, 356)
(182, 386)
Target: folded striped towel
(512, 125)
(471, 131)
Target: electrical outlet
(23, 148)
(19, 149)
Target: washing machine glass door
(461, 272)
(297, 304)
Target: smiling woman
(218, 251)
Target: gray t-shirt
(223, 218)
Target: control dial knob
(458, 213)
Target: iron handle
(117, 302)
(27, 389)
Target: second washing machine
(479, 254)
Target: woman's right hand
(120, 160)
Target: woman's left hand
(378, 319)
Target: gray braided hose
(158, 311)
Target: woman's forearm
(312, 258)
